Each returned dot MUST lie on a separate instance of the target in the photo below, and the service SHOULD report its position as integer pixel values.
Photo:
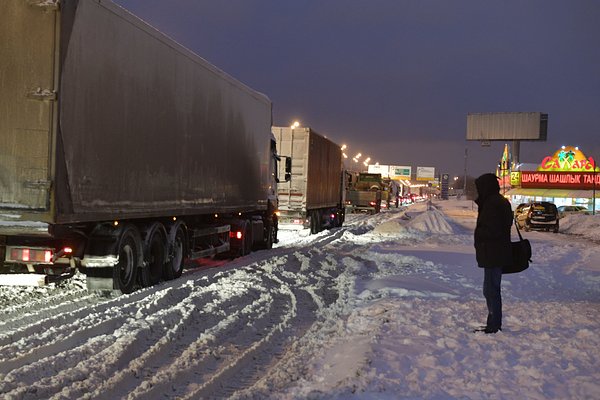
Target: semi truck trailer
(314, 196)
(122, 153)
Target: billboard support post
(465, 181)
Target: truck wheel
(155, 255)
(246, 246)
(315, 225)
(129, 252)
(269, 235)
(556, 227)
(174, 267)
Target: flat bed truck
(122, 153)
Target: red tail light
(236, 235)
(21, 254)
(372, 203)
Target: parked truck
(364, 193)
(314, 196)
(122, 153)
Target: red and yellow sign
(568, 168)
(568, 159)
(559, 180)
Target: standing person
(492, 244)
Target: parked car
(565, 210)
(541, 215)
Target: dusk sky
(395, 79)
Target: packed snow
(382, 308)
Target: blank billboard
(507, 126)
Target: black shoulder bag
(521, 252)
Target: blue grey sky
(395, 79)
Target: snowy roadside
(381, 309)
(408, 332)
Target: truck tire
(246, 245)
(129, 251)
(178, 250)
(155, 255)
(242, 246)
(316, 222)
(269, 235)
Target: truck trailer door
(28, 46)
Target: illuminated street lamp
(295, 125)
(343, 148)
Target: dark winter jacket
(494, 220)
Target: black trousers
(492, 280)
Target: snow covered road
(381, 308)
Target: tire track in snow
(212, 336)
(72, 352)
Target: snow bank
(587, 226)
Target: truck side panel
(324, 171)
(27, 100)
(148, 128)
(316, 170)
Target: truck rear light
(236, 235)
(22, 254)
(373, 203)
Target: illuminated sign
(400, 172)
(568, 168)
(384, 170)
(425, 173)
(559, 180)
(568, 159)
(395, 172)
(515, 178)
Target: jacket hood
(487, 185)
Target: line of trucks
(123, 154)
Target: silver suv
(565, 210)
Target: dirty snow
(382, 308)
